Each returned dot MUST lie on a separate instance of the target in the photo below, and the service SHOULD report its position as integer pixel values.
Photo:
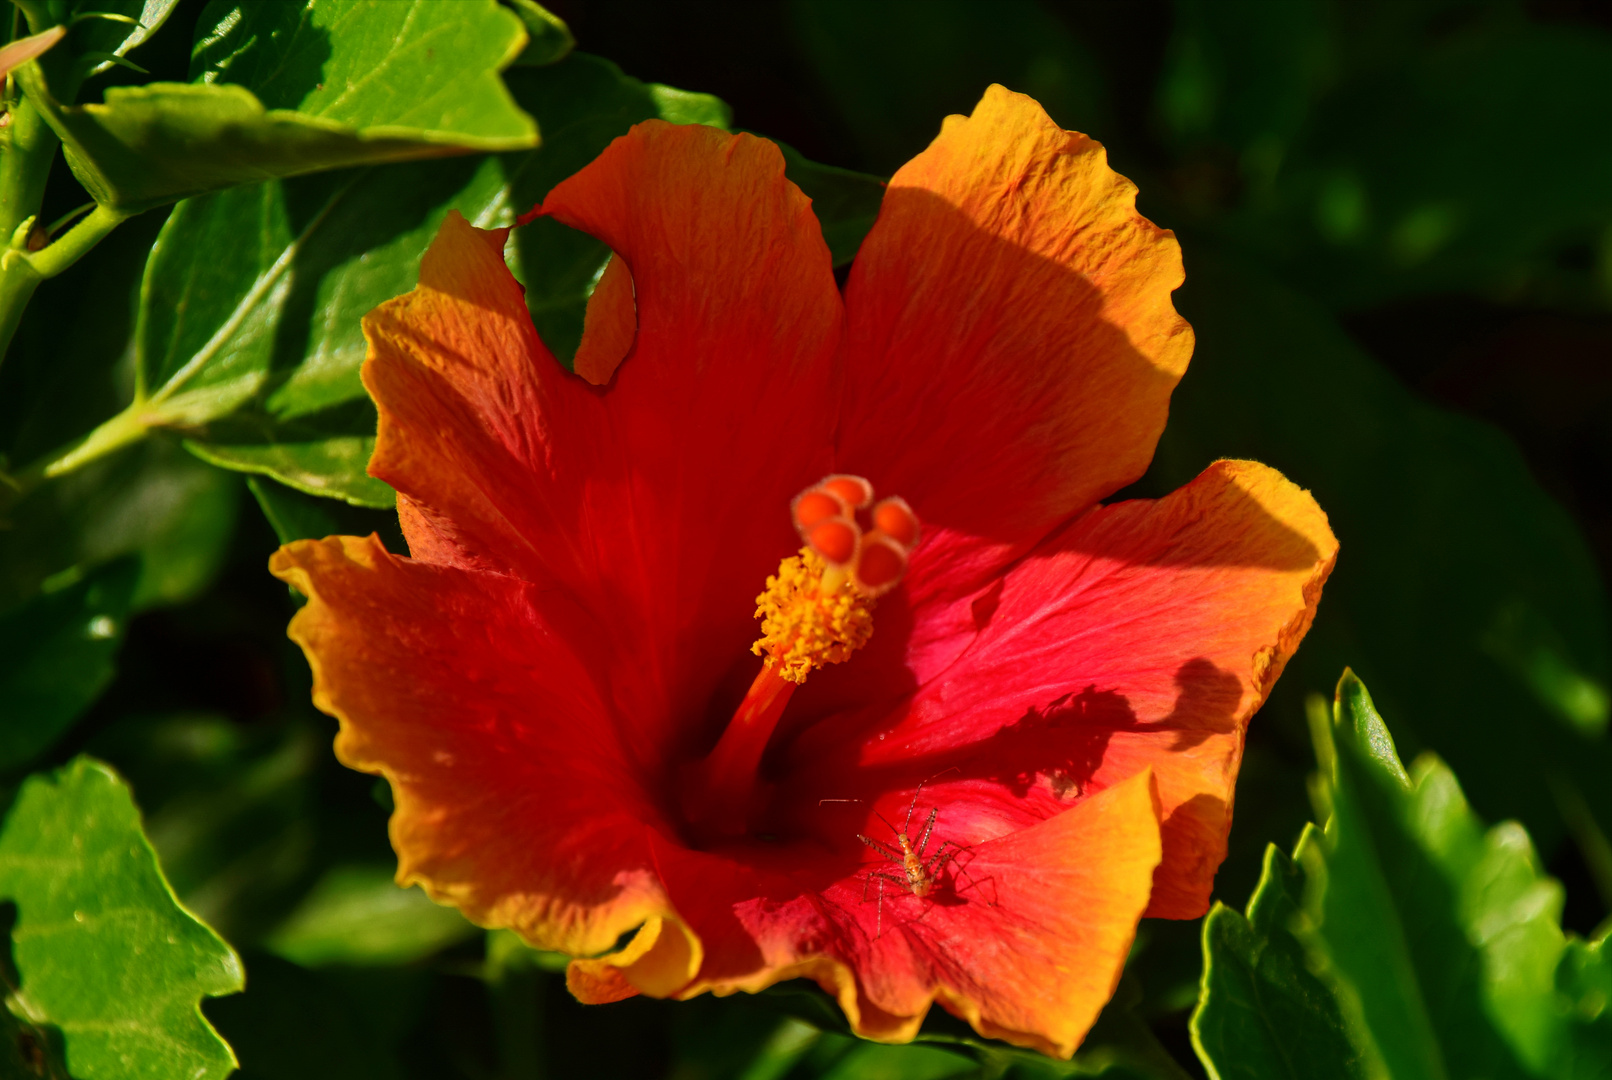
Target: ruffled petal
(516, 800)
(1142, 636)
(1010, 352)
(1011, 345)
(660, 501)
(1025, 937)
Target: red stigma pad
(815, 506)
(835, 539)
(856, 491)
(880, 565)
(895, 519)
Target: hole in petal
(580, 295)
(609, 324)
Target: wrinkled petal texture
(1060, 688)
(631, 501)
(1010, 350)
(1026, 941)
(450, 684)
(1143, 635)
(1011, 344)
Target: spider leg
(881, 847)
(883, 877)
(929, 827)
(941, 855)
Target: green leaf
(103, 951)
(332, 467)
(290, 517)
(845, 202)
(275, 325)
(548, 41)
(1463, 592)
(91, 33)
(153, 501)
(234, 810)
(1262, 1014)
(358, 915)
(56, 656)
(582, 103)
(1584, 981)
(249, 334)
(1413, 943)
(285, 89)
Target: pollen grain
(807, 622)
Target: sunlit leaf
(91, 32)
(289, 88)
(102, 950)
(1413, 942)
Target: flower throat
(816, 610)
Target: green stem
(27, 149)
(76, 242)
(21, 271)
(129, 426)
(18, 280)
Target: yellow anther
(807, 622)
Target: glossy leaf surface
(1413, 942)
(284, 89)
(253, 297)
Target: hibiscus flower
(971, 661)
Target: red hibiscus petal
(1026, 940)
(1144, 635)
(517, 800)
(1011, 345)
(660, 502)
(1010, 352)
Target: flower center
(817, 609)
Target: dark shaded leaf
(56, 656)
(357, 915)
(548, 39)
(845, 202)
(153, 501)
(1376, 152)
(1262, 1014)
(292, 1024)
